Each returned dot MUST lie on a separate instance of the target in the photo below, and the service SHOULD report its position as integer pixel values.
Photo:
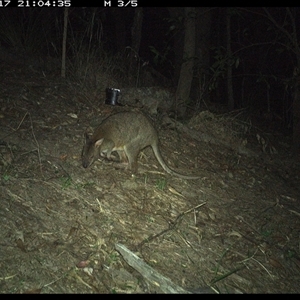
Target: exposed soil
(235, 230)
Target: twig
(61, 277)
(37, 144)
(171, 226)
(21, 121)
(17, 127)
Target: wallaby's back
(127, 133)
(127, 128)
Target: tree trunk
(63, 58)
(176, 15)
(296, 112)
(199, 90)
(120, 28)
(136, 32)
(186, 72)
(292, 44)
(229, 69)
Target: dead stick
(17, 127)
(164, 283)
(171, 226)
(37, 144)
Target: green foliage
(161, 183)
(290, 254)
(160, 58)
(66, 181)
(80, 186)
(176, 24)
(6, 177)
(266, 233)
(221, 63)
(6, 172)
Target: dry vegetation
(235, 230)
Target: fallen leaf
(74, 116)
(82, 264)
(21, 245)
(173, 191)
(275, 263)
(33, 291)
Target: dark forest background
(222, 59)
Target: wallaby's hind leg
(122, 162)
(132, 155)
(123, 156)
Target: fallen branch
(165, 284)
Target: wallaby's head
(90, 151)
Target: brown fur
(127, 133)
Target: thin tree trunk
(292, 43)
(229, 69)
(186, 72)
(136, 32)
(296, 111)
(120, 28)
(63, 58)
(199, 90)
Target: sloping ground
(236, 229)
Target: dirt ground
(234, 230)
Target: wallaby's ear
(99, 142)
